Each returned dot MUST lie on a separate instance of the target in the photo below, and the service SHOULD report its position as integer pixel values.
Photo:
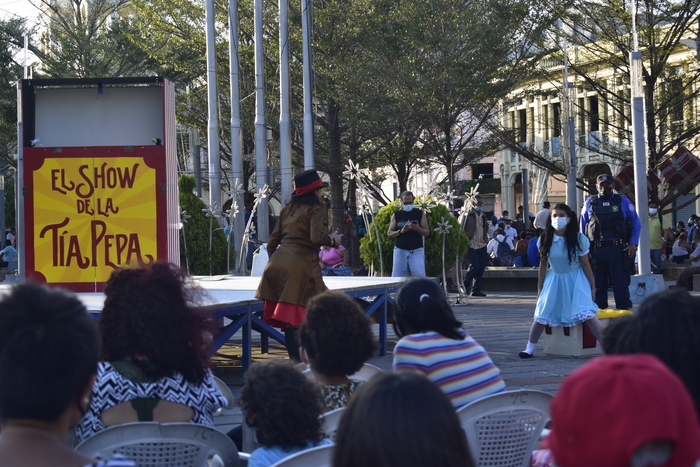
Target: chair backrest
(150, 444)
(330, 422)
(163, 412)
(321, 456)
(226, 392)
(367, 372)
(503, 429)
(363, 374)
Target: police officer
(611, 223)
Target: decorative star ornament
(262, 193)
(426, 204)
(471, 196)
(236, 190)
(443, 227)
(353, 171)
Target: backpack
(504, 254)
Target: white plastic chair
(503, 429)
(364, 374)
(321, 456)
(226, 392)
(150, 444)
(330, 422)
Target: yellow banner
(92, 216)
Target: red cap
(611, 406)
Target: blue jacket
(628, 212)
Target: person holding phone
(408, 226)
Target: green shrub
(456, 241)
(197, 235)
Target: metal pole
(526, 198)
(26, 46)
(640, 161)
(238, 227)
(260, 130)
(19, 189)
(197, 167)
(306, 24)
(571, 178)
(213, 126)
(285, 111)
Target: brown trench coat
(293, 274)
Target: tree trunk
(335, 167)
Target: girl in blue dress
(567, 290)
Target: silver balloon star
(443, 227)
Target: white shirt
(492, 247)
(511, 233)
(696, 254)
(541, 219)
(492, 229)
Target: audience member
(283, 407)
(619, 411)
(400, 420)
(686, 277)
(511, 233)
(8, 256)
(667, 325)
(492, 226)
(541, 217)
(500, 249)
(334, 261)
(152, 354)
(336, 340)
(521, 250)
(656, 233)
(48, 357)
(433, 344)
(681, 249)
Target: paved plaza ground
(500, 322)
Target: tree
(90, 39)
(456, 241)
(11, 32)
(449, 63)
(599, 39)
(202, 258)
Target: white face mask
(559, 222)
(499, 237)
(407, 207)
(653, 211)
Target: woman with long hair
(566, 289)
(152, 351)
(293, 274)
(434, 345)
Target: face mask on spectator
(477, 208)
(407, 207)
(653, 211)
(559, 222)
(499, 237)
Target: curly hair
(281, 404)
(148, 312)
(336, 334)
(570, 235)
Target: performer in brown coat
(293, 275)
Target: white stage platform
(233, 297)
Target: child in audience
(48, 357)
(400, 420)
(283, 407)
(434, 345)
(336, 340)
(627, 410)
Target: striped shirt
(461, 368)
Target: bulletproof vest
(607, 219)
(410, 240)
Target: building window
(556, 117)
(593, 115)
(522, 128)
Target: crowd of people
(144, 359)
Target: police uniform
(610, 224)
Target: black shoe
(524, 354)
(478, 294)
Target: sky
(12, 8)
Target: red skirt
(281, 314)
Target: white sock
(530, 348)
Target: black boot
(290, 337)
